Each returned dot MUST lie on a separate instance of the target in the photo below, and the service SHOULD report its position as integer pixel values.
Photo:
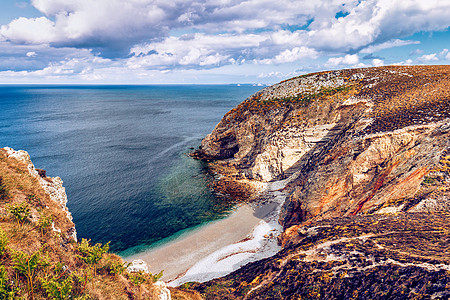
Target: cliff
(53, 187)
(362, 149)
(40, 257)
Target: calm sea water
(121, 152)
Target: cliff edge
(40, 257)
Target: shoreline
(177, 256)
(223, 246)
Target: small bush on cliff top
(20, 211)
(92, 254)
(114, 265)
(44, 223)
(7, 291)
(3, 242)
(28, 265)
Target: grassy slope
(58, 253)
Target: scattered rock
(137, 266)
(41, 172)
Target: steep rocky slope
(354, 146)
(351, 140)
(40, 257)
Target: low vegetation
(38, 262)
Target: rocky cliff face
(359, 146)
(53, 186)
(352, 141)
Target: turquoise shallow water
(121, 152)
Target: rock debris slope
(365, 147)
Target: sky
(213, 41)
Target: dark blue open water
(120, 151)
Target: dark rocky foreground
(404, 256)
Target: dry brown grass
(178, 294)
(60, 248)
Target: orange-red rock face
(352, 141)
(366, 154)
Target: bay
(121, 152)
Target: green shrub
(3, 242)
(20, 211)
(115, 266)
(28, 265)
(7, 291)
(44, 223)
(138, 279)
(58, 289)
(156, 277)
(428, 180)
(92, 254)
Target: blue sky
(213, 41)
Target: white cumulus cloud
(197, 49)
(120, 24)
(343, 60)
(29, 31)
(143, 35)
(387, 45)
(378, 21)
(377, 62)
(428, 57)
(404, 63)
(291, 55)
(207, 50)
(445, 54)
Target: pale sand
(260, 243)
(177, 256)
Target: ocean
(122, 153)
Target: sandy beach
(179, 255)
(222, 246)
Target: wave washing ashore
(120, 152)
(221, 247)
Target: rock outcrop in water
(367, 155)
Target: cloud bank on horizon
(160, 41)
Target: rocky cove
(347, 176)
